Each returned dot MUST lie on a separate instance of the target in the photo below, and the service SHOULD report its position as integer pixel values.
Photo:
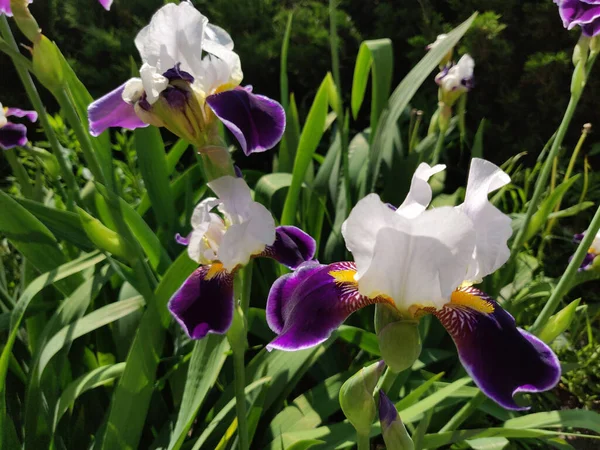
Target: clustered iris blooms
(6, 9)
(227, 232)
(14, 134)
(189, 79)
(585, 13)
(420, 262)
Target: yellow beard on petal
(464, 297)
(343, 276)
(215, 270)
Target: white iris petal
(419, 196)
(492, 227)
(154, 83)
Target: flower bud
(25, 21)
(356, 397)
(579, 78)
(399, 339)
(48, 63)
(559, 322)
(580, 52)
(104, 238)
(394, 433)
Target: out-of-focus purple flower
(227, 232)
(585, 13)
(14, 134)
(189, 80)
(6, 9)
(420, 262)
(592, 252)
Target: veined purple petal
(257, 122)
(31, 115)
(502, 359)
(106, 4)
(112, 111)
(204, 302)
(292, 247)
(306, 306)
(13, 135)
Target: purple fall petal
(257, 122)
(292, 247)
(112, 111)
(387, 410)
(585, 13)
(204, 302)
(502, 359)
(13, 135)
(306, 306)
(182, 240)
(31, 115)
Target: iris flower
(585, 13)
(14, 134)
(422, 262)
(190, 78)
(227, 232)
(592, 252)
(457, 77)
(6, 9)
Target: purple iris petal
(387, 410)
(585, 13)
(182, 240)
(13, 135)
(292, 247)
(177, 74)
(204, 302)
(587, 261)
(106, 4)
(502, 359)
(31, 115)
(306, 306)
(112, 111)
(257, 122)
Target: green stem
(82, 134)
(565, 282)
(464, 413)
(36, 101)
(387, 381)
(247, 286)
(439, 146)
(362, 441)
(240, 397)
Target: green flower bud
(25, 21)
(580, 52)
(356, 397)
(399, 339)
(579, 78)
(394, 433)
(559, 322)
(48, 63)
(104, 238)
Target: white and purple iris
(457, 77)
(6, 9)
(422, 261)
(226, 233)
(189, 79)
(585, 13)
(592, 253)
(14, 134)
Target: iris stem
(541, 183)
(36, 102)
(362, 441)
(566, 280)
(388, 380)
(240, 397)
(439, 146)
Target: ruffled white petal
(154, 83)
(201, 214)
(174, 35)
(133, 91)
(419, 196)
(360, 230)
(420, 261)
(492, 227)
(250, 237)
(235, 197)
